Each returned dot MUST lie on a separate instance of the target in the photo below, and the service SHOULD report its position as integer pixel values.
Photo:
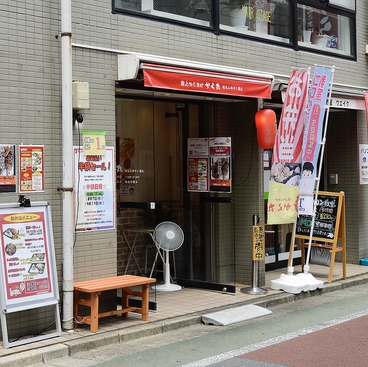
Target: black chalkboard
(328, 210)
(329, 229)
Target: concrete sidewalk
(175, 310)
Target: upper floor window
(271, 19)
(197, 12)
(320, 29)
(304, 24)
(347, 4)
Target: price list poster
(31, 163)
(198, 164)
(94, 190)
(220, 164)
(25, 253)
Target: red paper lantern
(266, 128)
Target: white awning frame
(130, 64)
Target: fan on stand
(168, 236)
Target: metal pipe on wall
(67, 154)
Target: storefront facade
(159, 151)
(158, 121)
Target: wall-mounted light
(78, 117)
(266, 128)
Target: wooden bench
(95, 287)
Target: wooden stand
(329, 232)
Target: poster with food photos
(198, 174)
(7, 168)
(220, 164)
(209, 164)
(31, 167)
(27, 256)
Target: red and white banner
(287, 152)
(289, 140)
(202, 81)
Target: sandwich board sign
(329, 231)
(27, 265)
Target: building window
(271, 19)
(197, 12)
(347, 4)
(303, 24)
(324, 30)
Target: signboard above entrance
(193, 76)
(199, 81)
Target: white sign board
(28, 266)
(94, 190)
(363, 164)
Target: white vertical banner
(313, 132)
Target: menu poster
(31, 164)
(327, 212)
(25, 255)
(7, 168)
(198, 174)
(220, 163)
(209, 164)
(94, 190)
(220, 180)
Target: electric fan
(168, 236)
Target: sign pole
(258, 255)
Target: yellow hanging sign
(94, 142)
(258, 243)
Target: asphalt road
(330, 330)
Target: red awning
(203, 81)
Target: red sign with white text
(192, 80)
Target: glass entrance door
(152, 157)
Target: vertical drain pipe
(67, 154)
